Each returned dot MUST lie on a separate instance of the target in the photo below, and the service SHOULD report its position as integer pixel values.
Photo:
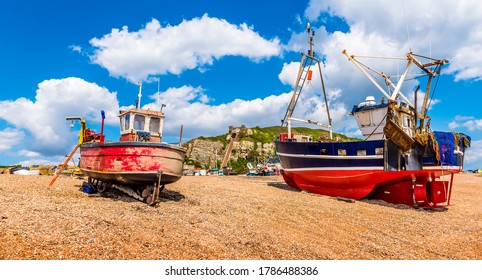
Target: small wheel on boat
(151, 194)
(147, 191)
(103, 186)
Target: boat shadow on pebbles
(283, 186)
(401, 206)
(114, 194)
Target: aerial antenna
(311, 34)
(139, 95)
(406, 25)
(159, 93)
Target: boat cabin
(372, 118)
(141, 125)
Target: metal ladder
(305, 67)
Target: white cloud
(43, 161)
(314, 9)
(342, 79)
(453, 125)
(473, 155)
(193, 43)
(435, 27)
(473, 125)
(469, 122)
(29, 154)
(44, 118)
(376, 28)
(288, 73)
(10, 137)
(187, 106)
(420, 97)
(76, 48)
(311, 104)
(467, 67)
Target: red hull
(132, 163)
(415, 188)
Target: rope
(461, 139)
(422, 138)
(456, 139)
(435, 146)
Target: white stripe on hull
(444, 168)
(330, 157)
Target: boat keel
(146, 193)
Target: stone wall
(207, 152)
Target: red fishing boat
(139, 164)
(401, 160)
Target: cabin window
(155, 124)
(406, 121)
(378, 151)
(127, 121)
(122, 121)
(341, 152)
(139, 121)
(361, 152)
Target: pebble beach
(230, 218)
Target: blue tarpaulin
(446, 147)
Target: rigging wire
(383, 57)
(423, 56)
(406, 25)
(433, 91)
(366, 138)
(376, 78)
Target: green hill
(256, 145)
(271, 133)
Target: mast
(304, 74)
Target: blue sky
(220, 63)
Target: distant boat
(401, 160)
(139, 164)
(26, 172)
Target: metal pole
(64, 165)
(294, 97)
(139, 95)
(326, 101)
(289, 129)
(352, 59)
(400, 82)
(102, 128)
(180, 136)
(450, 188)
